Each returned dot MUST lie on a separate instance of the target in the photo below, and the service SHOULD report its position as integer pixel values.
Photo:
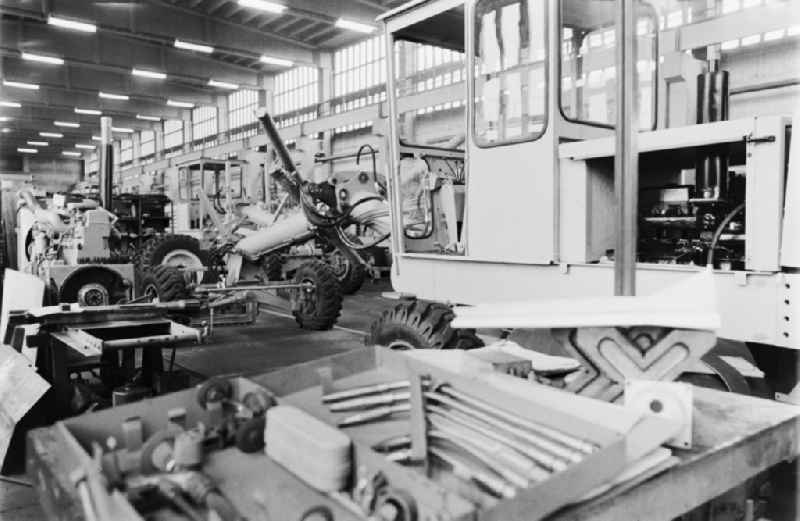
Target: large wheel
(351, 275)
(420, 325)
(165, 283)
(317, 305)
(178, 251)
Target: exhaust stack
(106, 170)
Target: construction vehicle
(526, 208)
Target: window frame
(471, 78)
(653, 13)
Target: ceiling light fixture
(27, 151)
(148, 118)
(38, 143)
(69, 124)
(52, 60)
(222, 85)
(51, 134)
(97, 138)
(180, 104)
(71, 153)
(276, 61)
(12, 104)
(122, 130)
(6, 130)
(20, 85)
(149, 74)
(75, 25)
(91, 112)
(350, 25)
(85, 147)
(189, 46)
(108, 95)
(263, 5)
(5, 118)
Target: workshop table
(735, 437)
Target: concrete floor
(274, 341)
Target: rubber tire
(156, 248)
(272, 266)
(328, 296)
(353, 277)
(168, 282)
(421, 325)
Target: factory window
(242, 107)
(359, 72)
(204, 126)
(148, 145)
(126, 151)
(510, 72)
(296, 95)
(173, 137)
(588, 64)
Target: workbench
(735, 437)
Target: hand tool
(536, 440)
(547, 462)
(468, 446)
(379, 413)
(554, 434)
(369, 401)
(505, 454)
(365, 390)
(497, 487)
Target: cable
(718, 233)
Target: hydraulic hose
(718, 233)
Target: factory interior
(399, 260)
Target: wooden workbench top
(735, 437)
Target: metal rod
(370, 401)
(626, 160)
(264, 287)
(106, 170)
(496, 486)
(355, 392)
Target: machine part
(156, 453)
(317, 305)
(351, 275)
(187, 449)
(179, 251)
(317, 513)
(129, 393)
(258, 401)
(495, 486)
(93, 294)
(369, 401)
(392, 504)
(250, 434)
(377, 414)
(365, 390)
(165, 283)
(213, 390)
(419, 324)
(272, 266)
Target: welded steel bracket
(610, 355)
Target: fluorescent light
(343, 23)
(38, 143)
(20, 85)
(276, 61)
(263, 5)
(85, 147)
(69, 124)
(53, 60)
(222, 85)
(91, 112)
(148, 118)
(189, 46)
(72, 24)
(149, 74)
(6, 130)
(71, 154)
(27, 150)
(122, 130)
(108, 95)
(97, 138)
(181, 104)
(5, 118)
(51, 134)
(12, 104)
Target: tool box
(410, 455)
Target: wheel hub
(185, 259)
(93, 294)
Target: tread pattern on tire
(353, 278)
(423, 325)
(328, 293)
(156, 248)
(168, 281)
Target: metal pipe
(370, 401)
(106, 170)
(626, 160)
(497, 487)
(356, 392)
(554, 434)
